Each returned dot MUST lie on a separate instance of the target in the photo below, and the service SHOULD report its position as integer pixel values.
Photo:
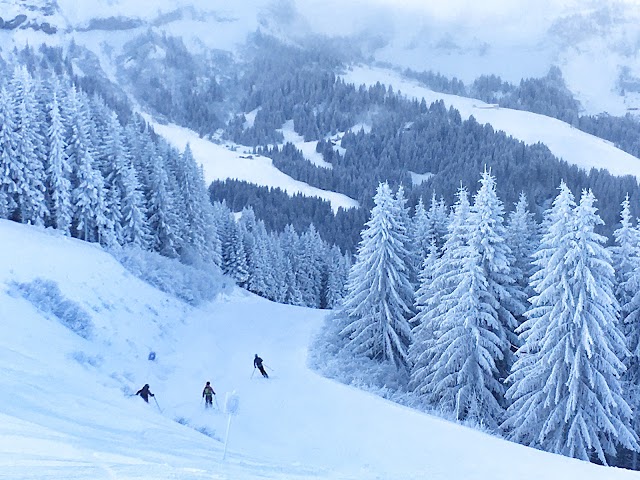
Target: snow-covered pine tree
(625, 254)
(311, 253)
(195, 211)
(163, 222)
(472, 337)
(59, 169)
(234, 262)
(413, 259)
(379, 301)
(522, 238)
(130, 223)
(487, 237)
(88, 196)
(565, 386)
(438, 220)
(12, 176)
(29, 149)
(424, 332)
(260, 273)
(289, 241)
(626, 261)
(337, 267)
(436, 283)
(420, 233)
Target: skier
(144, 393)
(208, 394)
(257, 362)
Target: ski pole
(254, 371)
(216, 399)
(157, 404)
(269, 367)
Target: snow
(226, 162)
(308, 149)
(64, 414)
(418, 178)
(564, 141)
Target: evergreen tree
(59, 169)
(309, 267)
(163, 224)
(234, 261)
(420, 232)
(625, 254)
(438, 220)
(565, 388)
(472, 338)
(522, 237)
(12, 178)
(337, 273)
(380, 296)
(422, 349)
(89, 218)
(487, 237)
(29, 149)
(290, 240)
(437, 282)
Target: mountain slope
(65, 413)
(564, 141)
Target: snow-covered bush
(193, 284)
(46, 296)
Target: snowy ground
(221, 162)
(564, 141)
(64, 412)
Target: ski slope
(570, 144)
(64, 412)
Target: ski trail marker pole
(231, 404)
(155, 400)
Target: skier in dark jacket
(208, 394)
(144, 393)
(257, 363)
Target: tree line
(528, 329)
(70, 163)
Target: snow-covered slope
(570, 144)
(64, 414)
(230, 161)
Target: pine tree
(420, 232)
(59, 169)
(29, 149)
(337, 273)
(565, 388)
(436, 282)
(625, 254)
(12, 178)
(380, 296)
(626, 262)
(438, 220)
(163, 224)
(234, 261)
(309, 267)
(522, 237)
(424, 329)
(471, 324)
(88, 196)
(487, 237)
(290, 241)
